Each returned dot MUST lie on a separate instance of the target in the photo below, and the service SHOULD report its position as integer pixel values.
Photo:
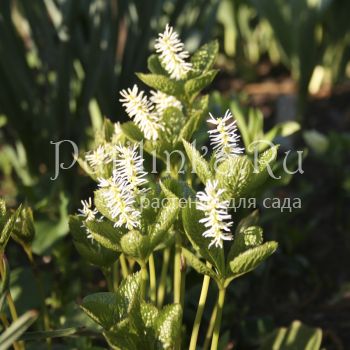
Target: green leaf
(197, 113)
(194, 86)
(17, 328)
(265, 161)
(198, 265)
(154, 65)
(100, 203)
(297, 336)
(199, 164)
(57, 333)
(8, 228)
(251, 258)
(204, 58)
(234, 175)
(168, 325)
(108, 309)
(106, 234)
(165, 218)
(90, 250)
(245, 238)
(24, 230)
(194, 231)
(132, 131)
(163, 84)
(136, 245)
(124, 337)
(4, 286)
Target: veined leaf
(155, 66)
(204, 58)
(194, 231)
(198, 265)
(199, 164)
(194, 86)
(234, 174)
(251, 259)
(108, 309)
(93, 252)
(8, 228)
(132, 131)
(163, 84)
(136, 245)
(106, 234)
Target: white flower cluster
(172, 54)
(216, 214)
(88, 213)
(121, 189)
(147, 113)
(224, 137)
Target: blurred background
(62, 64)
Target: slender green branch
(199, 314)
(152, 279)
(210, 329)
(124, 266)
(115, 275)
(217, 325)
(177, 271)
(163, 277)
(144, 276)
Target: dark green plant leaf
(194, 86)
(92, 251)
(194, 231)
(8, 228)
(204, 58)
(163, 84)
(17, 328)
(234, 174)
(198, 265)
(108, 309)
(251, 259)
(199, 164)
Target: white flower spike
(138, 107)
(163, 101)
(216, 215)
(98, 157)
(224, 137)
(172, 54)
(120, 202)
(87, 212)
(129, 165)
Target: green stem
(124, 266)
(177, 271)
(199, 314)
(217, 325)
(115, 273)
(12, 307)
(152, 279)
(210, 328)
(144, 277)
(163, 278)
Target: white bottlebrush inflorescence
(163, 101)
(172, 54)
(224, 137)
(87, 212)
(129, 166)
(216, 220)
(138, 107)
(120, 201)
(97, 158)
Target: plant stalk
(124, 266)
(217, 325)
(152, 279)
(210, 328)
(200, 310)
(144, 279)
(163, 278)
